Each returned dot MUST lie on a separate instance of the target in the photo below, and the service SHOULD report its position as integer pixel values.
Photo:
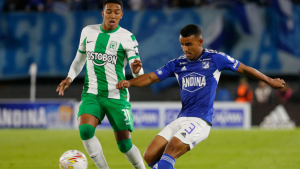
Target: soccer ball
(73, 159)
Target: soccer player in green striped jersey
(105, 49)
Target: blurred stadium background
(264, 34)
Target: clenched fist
(136, 66)
(277, 83)
(122, 84)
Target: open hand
(122, 84)
(64, 84)
(277, 83)
(136, 66)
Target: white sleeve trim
(77, 65)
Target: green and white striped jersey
(107, 53)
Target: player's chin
(188, 57)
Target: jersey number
(126, 114)
(191, 128)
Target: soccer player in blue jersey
(197, 72)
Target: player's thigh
(119, 114)
(90, 107)
(193, 131)
(170, 130)
(88, 119)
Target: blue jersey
(198, 81)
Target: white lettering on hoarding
(145, 118)
(17, 118)
(25, 118)
(227, 117)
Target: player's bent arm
(255, 74)
(144, 80)
(136, 67)
(77, 65)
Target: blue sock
(166, 162)
(152, 164)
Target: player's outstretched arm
(64, 84)
(255, 74)
(139, 81)
(75, 69)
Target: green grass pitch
(224, 149)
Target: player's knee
(124, 145)
(151, 158)
(148, 157)
(86, 131)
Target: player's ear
(200, 41)
(122, 15)
(103, 13)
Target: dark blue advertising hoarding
(48, 114)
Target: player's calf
(92, 145)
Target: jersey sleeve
(166, 71)
(82, 42)
(132, 50)
(225, 62)
(80, 57)
(77, 65)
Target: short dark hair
(113, 1)
(190, 30)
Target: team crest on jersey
(205, 64)
(113, 46)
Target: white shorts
(190, 130)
